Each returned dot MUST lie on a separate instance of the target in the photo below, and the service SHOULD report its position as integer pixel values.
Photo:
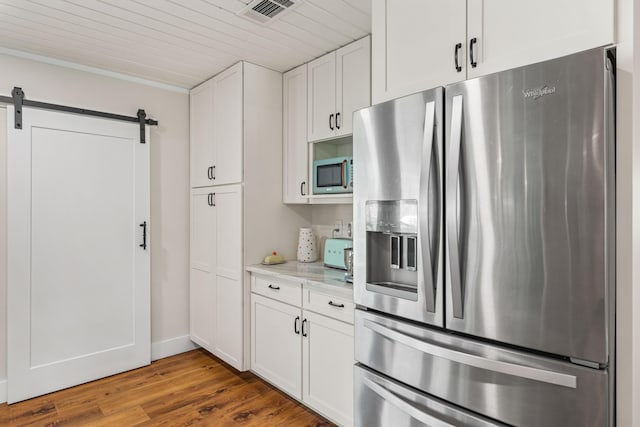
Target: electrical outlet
(337, 228)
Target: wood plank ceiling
(178, 42)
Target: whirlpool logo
(538, 93)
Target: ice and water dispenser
(392, 247)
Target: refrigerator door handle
(453, 165)
(404, 406)
(426, 269)
(507, 368)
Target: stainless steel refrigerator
(484, 238)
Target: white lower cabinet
(276, 354)
(215, 291)
(327, 367)
(307, 354)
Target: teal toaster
(334, 252)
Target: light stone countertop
(314, 275)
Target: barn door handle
(143, 245)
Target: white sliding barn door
(78, 292)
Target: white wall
(323, 218)
(169, 181)
(628, 214)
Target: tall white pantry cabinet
(237, 216)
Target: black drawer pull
(275, 288)
(143, 245)
(304, 333)
(455, 57)
(472, 55)
(336, 305)
(296, 325)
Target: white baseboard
(159, 350)
(172, 346)
(3, 391)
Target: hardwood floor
(192, 388)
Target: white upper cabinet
(295, 188)
(508, 33)
(216, 129)
(414, 45)
(201, 128)
(322, 97)
(338, 84)
(421, 44)
(227, 126)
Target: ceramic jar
(307, 246)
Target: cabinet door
(202, 150)
(227, 125)
(227, 306)
(512, 33)
(276, 350)
(295, 181)
(202, 281)
(328, 359)
(414, 42)
(353, 83)
(321, 97)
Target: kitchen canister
(307, 246)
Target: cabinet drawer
(278, 289)
(328, 305)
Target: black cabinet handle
(210, 172)
(331, 121)
(337, 120)
(296, 325)
(213, 172)
(275, 288)
(143, 245)
(456, 58)
(472, 53)
(336, 305)
(303, 184)
(213, 199)
(210, 199)
(304, 334)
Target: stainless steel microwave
(332, 176)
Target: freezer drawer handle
(404, 406)
(513, 369)
(451, 225)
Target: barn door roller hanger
(17, 99)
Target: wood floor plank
(189, 389)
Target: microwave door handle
(452, 176)
(425, 267)
(343, 170)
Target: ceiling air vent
(265, 11)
